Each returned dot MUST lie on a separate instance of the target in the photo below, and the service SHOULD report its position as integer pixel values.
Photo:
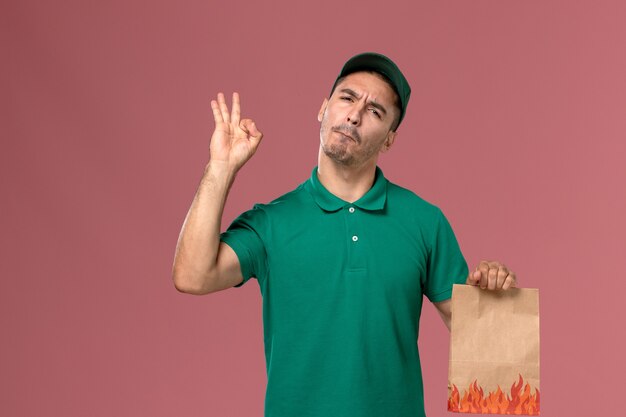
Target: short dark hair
(396, 96)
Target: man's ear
(320, 115)
(391, 137)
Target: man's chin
(339, 154)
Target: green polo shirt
(342, 287)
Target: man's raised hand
(234, 140)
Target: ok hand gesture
(234, 141)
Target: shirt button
(351, 209)
(355, 238)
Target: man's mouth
(346, 135)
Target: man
(342, 261)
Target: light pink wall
(516, 129)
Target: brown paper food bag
(494, 351)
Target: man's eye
(347, 98)
(375, 112)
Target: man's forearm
(445, 311)
(198, 242)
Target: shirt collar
(374, 198)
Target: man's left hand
(492, 275)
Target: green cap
(371, 61)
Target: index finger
(483, 267)
(472, 279)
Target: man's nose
(354, 117)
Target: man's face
(356, 121)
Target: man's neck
(349, 183)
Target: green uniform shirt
(342, 287)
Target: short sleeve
(446, 264)
(246, 236)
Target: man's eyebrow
(372, 103)
(350, 92)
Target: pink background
(516, 129)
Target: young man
(342, 261)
